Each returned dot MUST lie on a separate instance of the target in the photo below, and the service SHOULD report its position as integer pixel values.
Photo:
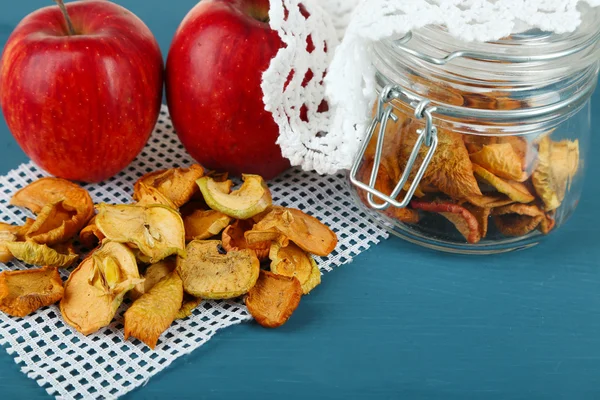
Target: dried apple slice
(96, 288)
(188, 306)
(157, 231)
(5, 254)
(252, 198)
(273, 299)
(56, 223)
(518, 219)
(178, 185)
(292, 261)
(463, 219)
(155, 311)
(514, 190)
(490, 200)
(208, 274)
(502, 160)
(558, 162)
(154, 273)
(90, 236)
(475, 143)
(233, 239)
(52, 190)
(547, 224)
(482, 214)
(204, 224)
(310, 234)
(40, 254)
(23, 292)
(147, 195)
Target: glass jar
(478, 147)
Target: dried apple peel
(23, 292)
(252, 198)
(157, 231)
(209, 274)
(463, 220)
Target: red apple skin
(213, 78)
(82, 107)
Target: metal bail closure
(426, 137)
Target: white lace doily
(326, 140)
(103, 365)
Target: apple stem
(63, 9)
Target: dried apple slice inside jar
(464, 221)
(252, 198)
(502, 160)
(96, 288)
(23, 292)
(157, 231)
(558, 163)
(522, 219)
(209, 274)
(514, 190)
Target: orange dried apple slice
(147, 195)
(273, 299)
(157, 231)
(154, 312)
(153, 274)
(490, 200)
(483, 217)
(204, 224)
(292, 261)
(558, 162)
(514, 190)
(209, 274)
(475, 143)
(40, 254)
(233, 239)
(502, 160)
(518, 219)
(90, 236)
(178, 185)
(56, 223)
(96, 288)
(463, 219)
(310, 234)
(23, 292)
(252, 198)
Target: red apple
(81, 104)
(213, 79)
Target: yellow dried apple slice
(96, 288)
(208, 274)
(518, 219)
(23, 292)
(502, 160)
(233, 239)
(558, 162)
(90, 236)
(273, 299)
(188, 306)
(292, 261)
(252, 198)
(204, 224)
(310, 234)
(514, 190)
(147, 195)
(157, 231)
(490, 200)
(154, 273)
(5, 254)
(178, 185)
(155, 311)
(40, 254)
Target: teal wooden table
(400, 321)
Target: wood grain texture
(401, 321)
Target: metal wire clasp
(426, 137)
